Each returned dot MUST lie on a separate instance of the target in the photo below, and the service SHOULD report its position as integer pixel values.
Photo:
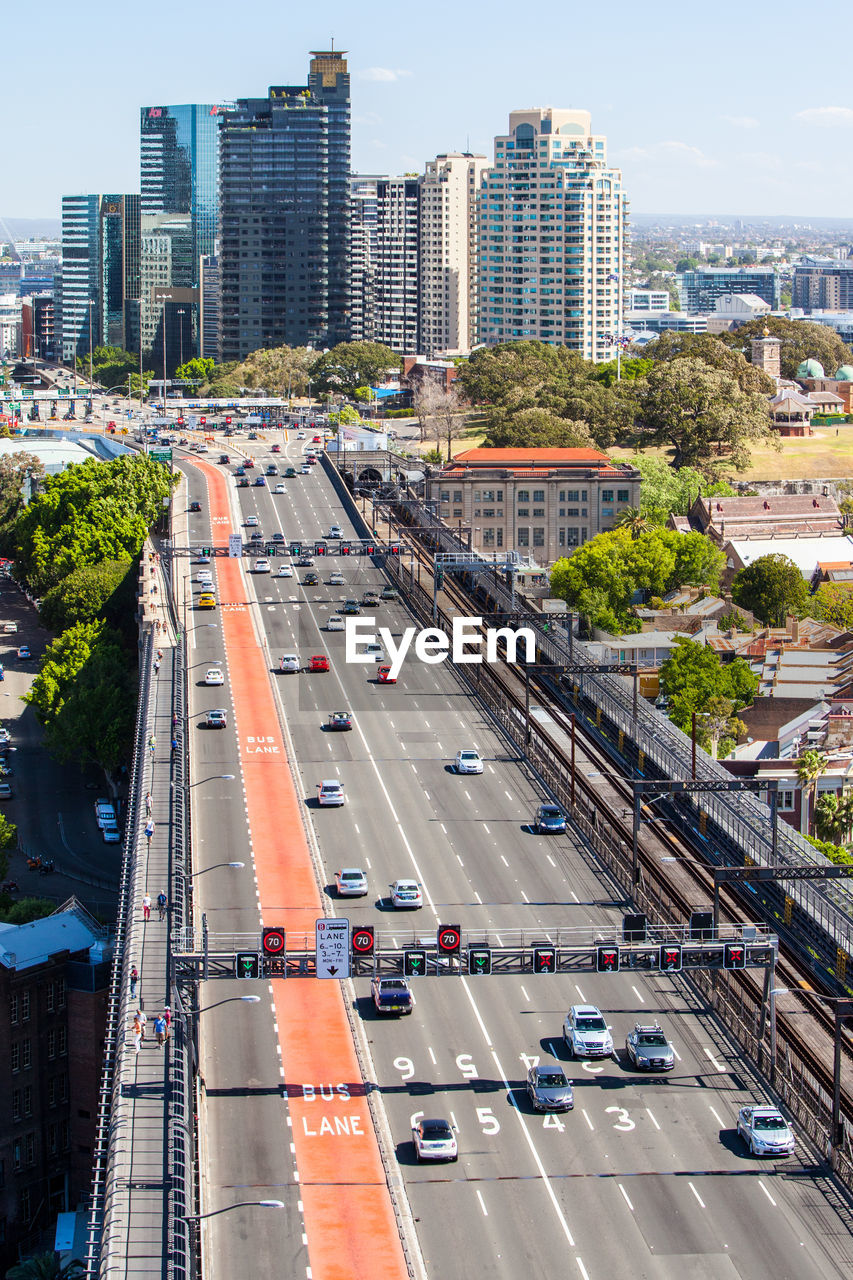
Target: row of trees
(347, 370)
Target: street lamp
(242, 1204)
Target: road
(645, 1176)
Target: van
(5, 791)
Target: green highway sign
(161, 455)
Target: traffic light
(247, 964)
(296, 549)
(345, 548)
(448, 939)
(369, 549)
(394, 548)
(414, 962)
(670, 957)
(607, 959)
(734, 955)
(479, 960)
(439, 579)
(319, 548)
(544, 959)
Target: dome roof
(810, 369)
(845, 373)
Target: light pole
(843, 1011)
(241, 1204)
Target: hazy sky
(707, 108)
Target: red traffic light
(273, 941)
(368, 550)
(363, 940)
(607, 959)
(734, 956)
(544, 959)
(670, 957)
(394, 549)
(448, 938)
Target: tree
(353, 364)
(281, 371)
(801, 340)
(666, 490)
(827, 817)
(833, 603)
(632, 519)
(14, 470)
(811, 767)
(199, 370)
(110, 365)
(8, 840)
(712, 352)
(536, 429)
(719, 728)
(447, 417)
(771, 587)
(693, 677)
(103, 590)
(45, 1266)
(702, 414)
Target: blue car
(260, 482)
(550, 820)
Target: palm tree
(632, 519)
(845, 817)
(811, 767)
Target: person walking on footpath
(149, 831)
(134, 979)
(148, 802)
(141, 1018)
(162, 903)
(160, 1030)
(156, 666)
(167, 1018)
(146, 907)
(152, 743)
(137, 1035)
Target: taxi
(318, 662)
(207, 600)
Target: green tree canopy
(110, 365)
(14, 469)
(103, 590)
(712, 352)
(199, 370)
(695, 679)
(352, 364)
(833, 603)
(771, 587)
(665, 489)
(536, 429)
(801, 340)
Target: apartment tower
(385, 261)
(449, 283)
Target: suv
(389, 593)
(586, 1033)
(392, 995)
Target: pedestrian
(156, 666)
(148, 802)
(175, 720)
(159, 655)
(134, 979)
(152, 743)
(146, 907)
(162, 903)
(167, 1018)
(160, 1031)
(174, 745)
(137, 1035)
(141, 1018)
(149, 830)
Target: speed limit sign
(273, 941)
(363, 941)
(449, 939)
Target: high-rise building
(119, 271)
(209, 300)
(823, 284)
(285, 214)
(385, 262)
(700, 289)
(553, 221)
(166, 272)
(179, 169)
(79, 276)
(449, 189)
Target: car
(217, 719)
(548, 1089)
(104, 812)
(330, 793)
(337, 579)
(249, 463)
(549, 820)
(24, 651)
(389, 593)
(195, 506)
(5, 791)
(311, 580)
(289, 663)
(243, 483)
(111, 833)
(434, 1140)
(262, 566)
(5, 737)
(284, 571)
(648, 1048)
(203, 558)
(252, 522)
(586, 1033)
(351, 607)
(468, 761)
(351, 882)
(305, 562)
(272, 469)
(300, 435)
(257, 536)
(10, 628)
(259, 482)
(305, 470)
(214, 676)
(253, 435)
(370, 598)
(312, 461)
(280, 488)
(241, 470)
(406, 893)
(318, 662)
(384, 676)
(392, 995)
(278, 537)
(207, 600)
(276, 448)
(200, 448)
(224, 459)
(765, 1131)
(374, 652)
(335, 622)
(290, 474)
(335, 531)
(204, 578)
(339, 721)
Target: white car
(586, 1033)
(105, 814)
(214, 676)
(434, 1140)
(111, 833)
(284, 571)
(262, 566)
(252, 522)
(305, 471)
(765, 1131)
(330, 793)
(300, 435)
(280, 488)
(336, 531)
(375, 653)
(337, 579)
(204, 578)
(351, 882)
(406, 893)
(335, 623)
(468, 762)
(289, 663)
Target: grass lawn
(822, 456)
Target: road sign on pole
(332, 948)
(235, 545)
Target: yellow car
(207, 600)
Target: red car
(319, 662)
(383, 676)
(276, 448)
(317, 440)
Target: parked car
(104, 813)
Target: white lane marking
(767, 1193)
(677, 1054)
(582, 1269)
(486, 829)
(574, 895)
(716, 1116)
(580, 994)
(625, 1196)
(357, 832)
(453, 1121)
(504, 861)
(641, 999)
(550, 859)
(443, 827)
(524, 993)
(477, 896)
(490, 769)
(367, 862)
(697, 1195)
(589, 1122)
(432, 1056)
(482, 1204)
(651, 1117)
(500, 939)
(717, 1065)
(459, 860)
(508, 796)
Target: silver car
(549, 1090)
(765, 1131)
(648, 1048)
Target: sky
(706, 108)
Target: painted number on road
(624, 1124)
(553, 1122)
(488, 1120)
(466, 1066)
(405, 1066)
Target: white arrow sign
(332, 943)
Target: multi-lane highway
(645, 1176)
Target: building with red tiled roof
(540, 502)
(781, 515)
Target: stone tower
(766, 354)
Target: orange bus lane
(350, 1224)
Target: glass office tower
(285, 214)
(179, 164)
(119, 270)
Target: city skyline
(698, 143)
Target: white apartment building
(449, 190)
(553, 229)
(648, 300)
(384, 262)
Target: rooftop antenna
(333, 44)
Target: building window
(523, 537)
(53, 1139)
(488, 537)
(30, 1148)
(25, 1006)
(51, 1043)
(524, 511)
(16, 1104)
(62, 1041)
(26, 1054)
(786, 800)
(572, 538)
(445, 493)
(28, 1100)
(500, 537)
(51, 1091)
(538, 535)
(622, 495)
(51, 997)
(488, 495)
(561, 537)
(499, 495)
(60, 993)
(457, 513)
(538, 511)
(457, 495)
(538, 495)
(489, 513)
(606, 495)
(522, 495)
(14, 1009)
(15, 1056)
(17, 1163)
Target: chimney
(795, 630)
